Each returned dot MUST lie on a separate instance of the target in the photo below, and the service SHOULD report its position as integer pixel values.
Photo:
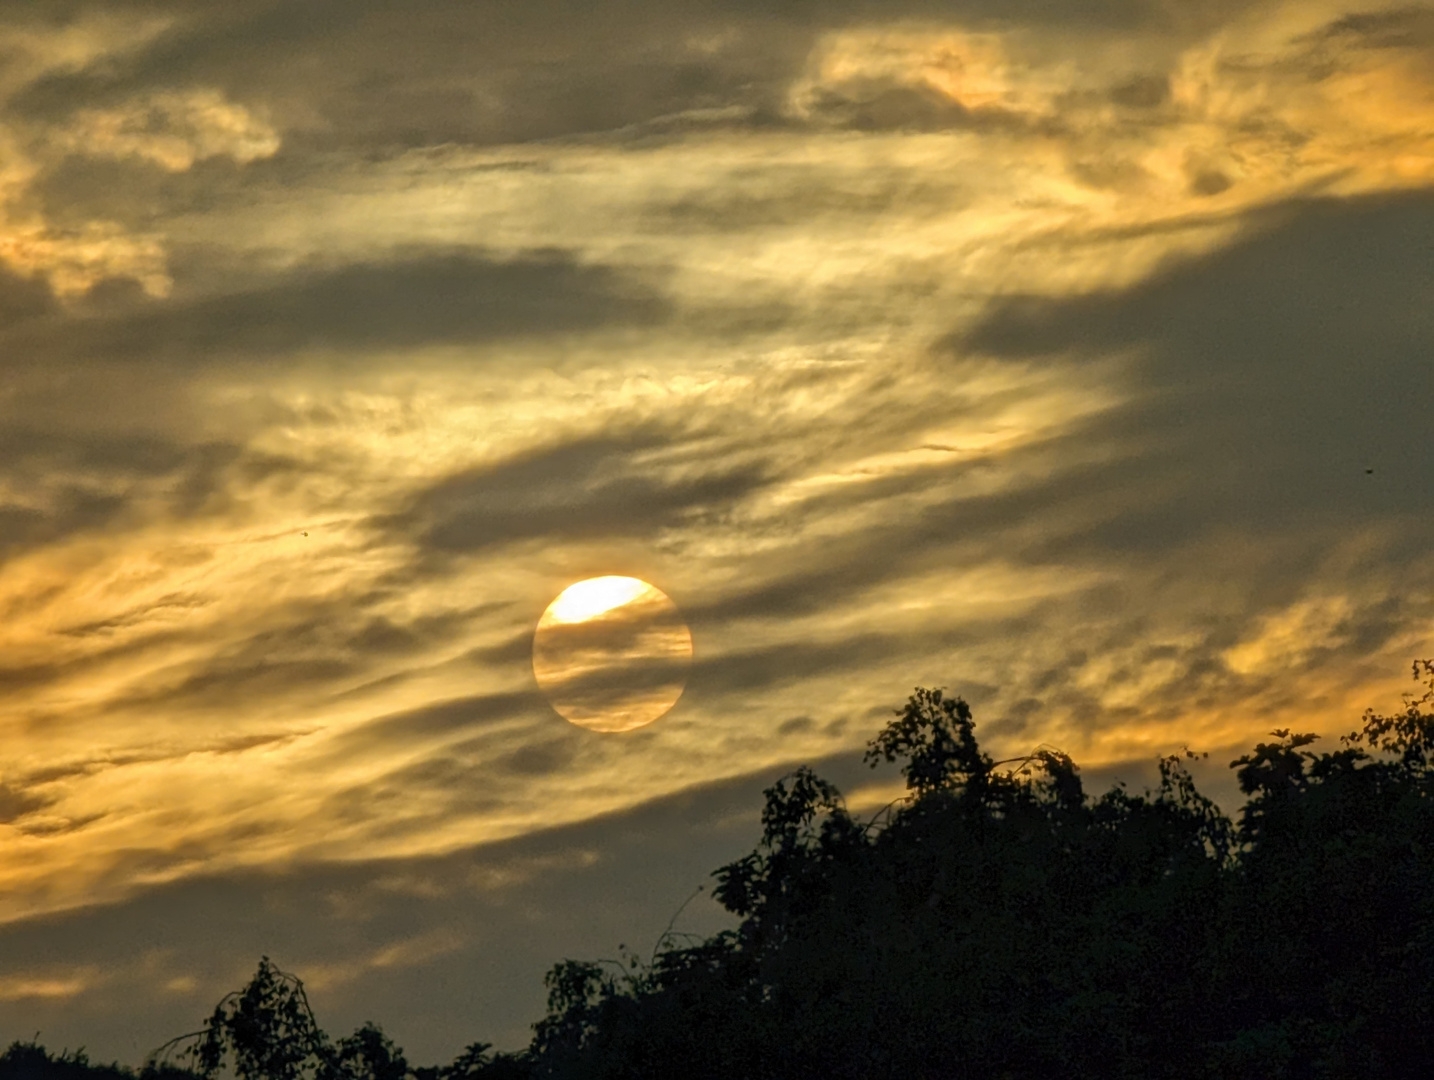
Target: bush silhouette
(997, 922)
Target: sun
(591, 598)
(612, 653)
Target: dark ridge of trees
(997, 922)
(31, 1061)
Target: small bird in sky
(1367, 472)
(306, 531)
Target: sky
(1072, 356)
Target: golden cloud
(171, 128)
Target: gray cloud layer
(444, 71)
(435, 298)
(1272, 374)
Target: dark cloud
(86, 479)
(386, 808)
(753, 671)
(71, 510)
(615, 484)
(222, 679)
(888, 105)
(22, 298)
(382, 636)
(89, 766)
(16, 802)
(363, 74)
(804, 196)
(1271, 374)
(884, 107)
(69, 477)
(542, 759)
(1398, 28)
(441, 720)
(862, 558)
(98, 454)
(72, 190)
(432, 298)
(845, 569)
(618, 685)
(57, 826)
(517, 648)
(319, 643)
(477, 772)
(1267, 377)
(1142, 92)
(136, 616)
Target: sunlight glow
(593, 597)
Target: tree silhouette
(1001, 923)
(31, 1061)
(267, 1031)
(936, 736)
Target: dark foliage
(997, 922)
(1000, 923)
(31, 1061)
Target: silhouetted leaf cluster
(997, 922)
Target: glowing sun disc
(612, 653)
(589, 599)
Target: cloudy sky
(1037, 349)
